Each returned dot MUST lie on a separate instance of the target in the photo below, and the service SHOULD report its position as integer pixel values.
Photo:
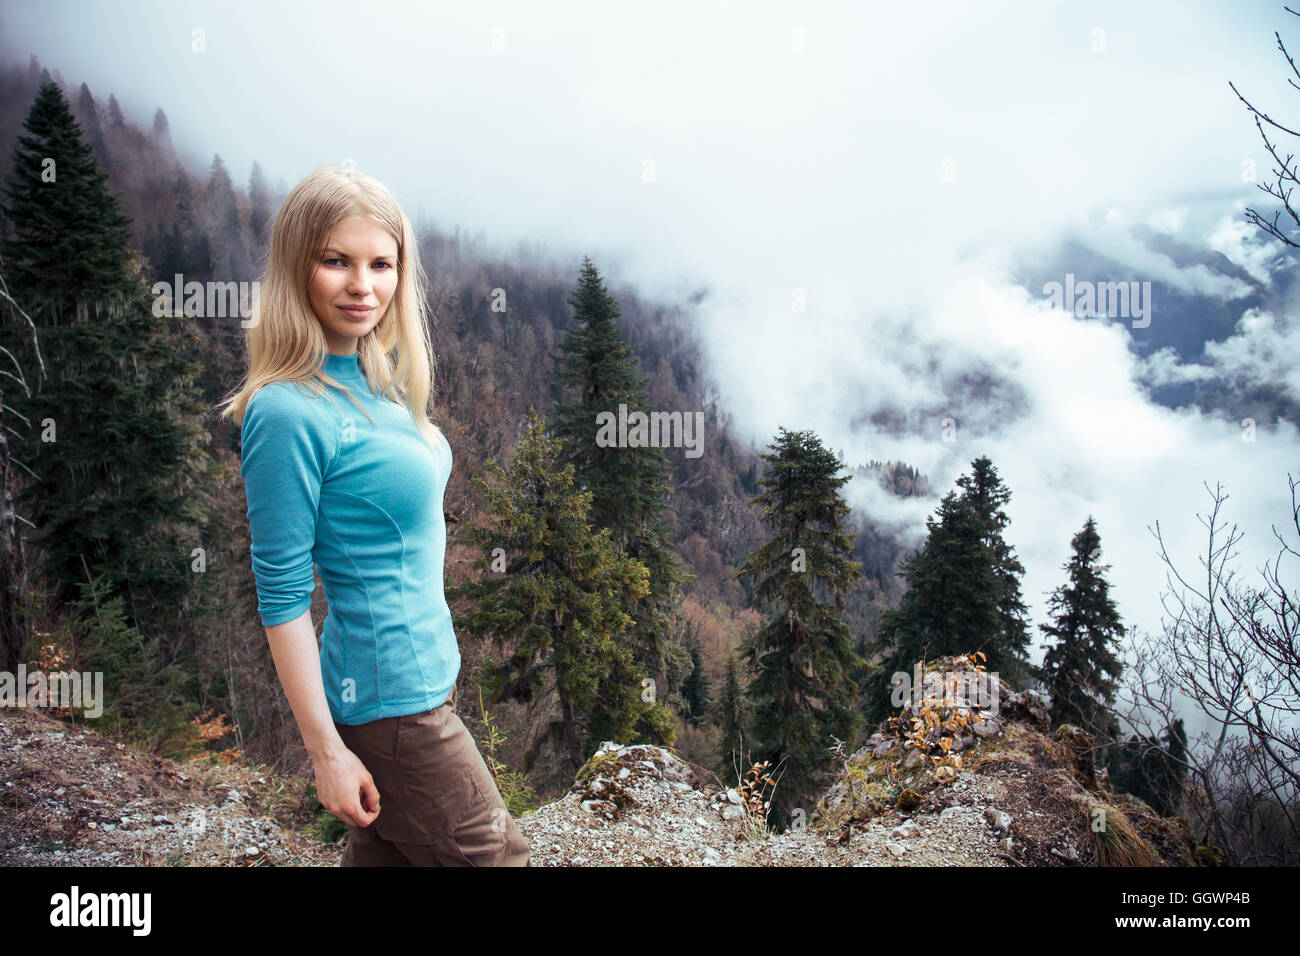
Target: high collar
(345, 368)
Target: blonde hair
(285, 339)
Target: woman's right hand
(345, 788)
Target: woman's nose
(359, 282)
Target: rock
(999, 820)
(988, 727)
(711, 856)
(895, 848)
(914, 759)
(1080, 744)
(906, 829)
(602, 808)
(733, 797)
(1030, 706)
(948, 813)
(962, 742)
(1069, 853)
(1005, 844)
(732, 812)
(884, 747)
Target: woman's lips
(356, 313)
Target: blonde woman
(343, 469)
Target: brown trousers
(438, 803)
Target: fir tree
(695, 689)
(988, 496)
(802, 694)
(231, 259)
(732, 715)
(90, 111)
(115, 116)
(963, 590)
(554, 589)
(66, 250)
(259, 202)
(183, 250)
(628, 485)
(1080, 669)
(120, 486)
(950, 606)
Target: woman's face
(352, 283)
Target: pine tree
(731, 714)
(231, 259)
(94, 132)
(65, 251)
(963, 591)
(628, 485)
(259, 202)
(695, 689)
(950, 606)
(183, 246)
(555, 590)
(802, 694)
(1080, 669)
(988, 496)
(122, 483)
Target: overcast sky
(887, 163)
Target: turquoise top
(363, 503)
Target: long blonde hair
(285, 339)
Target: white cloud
(1168, 221)
(1243, 244)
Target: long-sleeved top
(363, 503)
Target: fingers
(369, 800)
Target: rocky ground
(999, 790)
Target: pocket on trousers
(482, 828)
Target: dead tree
(1231, 651)
(14, 626)
(1286, 172)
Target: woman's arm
(343, 785)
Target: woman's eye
(384, 264)
(328, 261)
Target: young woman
(343, 469)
